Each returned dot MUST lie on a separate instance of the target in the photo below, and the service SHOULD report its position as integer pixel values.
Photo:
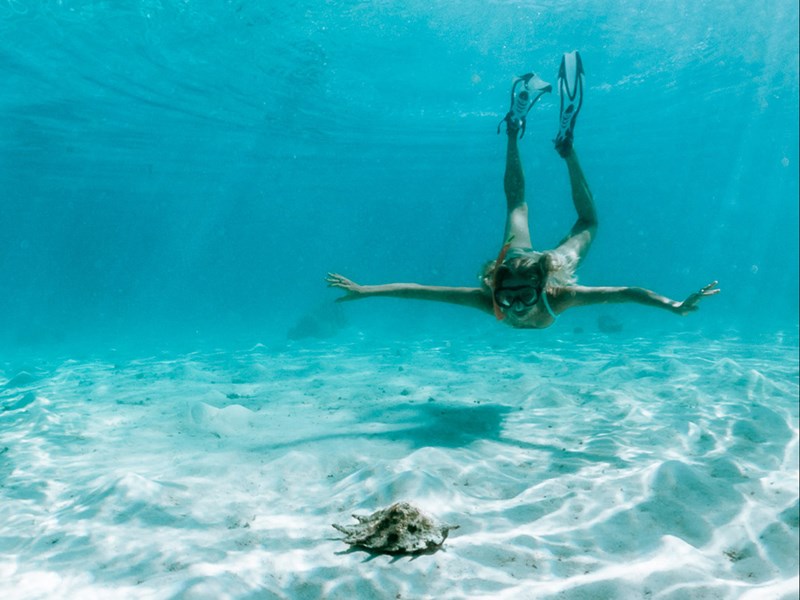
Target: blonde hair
(551, 269)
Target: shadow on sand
(436, 424)
(420, 425)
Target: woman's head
(517, 283)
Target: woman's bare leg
(514, 185)
(577, 243)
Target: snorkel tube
(499, 315)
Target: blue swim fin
(570, 88)
(525, 91)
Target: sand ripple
(661, 470)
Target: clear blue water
(180, 175)
(188, 171)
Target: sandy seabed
(608, 469)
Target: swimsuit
(516, 252)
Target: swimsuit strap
(547, 305)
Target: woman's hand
(690, 304)
(353, 290)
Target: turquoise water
(184, 409)
(189, 171)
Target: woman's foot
(570, 88)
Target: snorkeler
(524, 287)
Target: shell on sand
(399, 529)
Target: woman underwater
(523, 287)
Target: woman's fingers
(336, 280)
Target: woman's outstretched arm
(579, 295)
(464, 296)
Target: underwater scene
(580, 380)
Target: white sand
(617, 469)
